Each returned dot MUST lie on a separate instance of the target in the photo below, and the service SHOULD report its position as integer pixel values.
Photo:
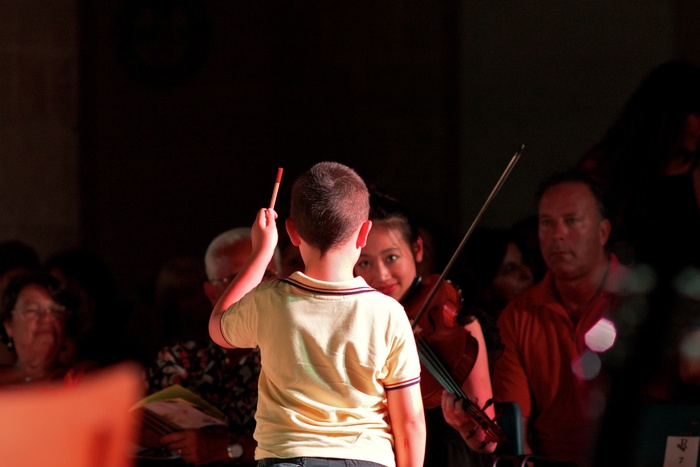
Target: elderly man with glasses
(226, 378)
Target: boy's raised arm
(264, 238)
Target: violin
(446, 349)
(441, 341)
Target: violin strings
(444, 377)
(437, 369)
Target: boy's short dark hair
(329, 202)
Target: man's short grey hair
(225, 239)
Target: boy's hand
(264, 232)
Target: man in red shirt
(553, 332)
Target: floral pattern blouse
(206, 369)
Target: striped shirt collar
(355, 286)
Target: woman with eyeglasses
(36, 311)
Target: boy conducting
(340, 370)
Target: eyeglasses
(36, 312)
(222, 280)
(269, 275)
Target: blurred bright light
(687, 283)
(601, 336)
(640, 279)
(587, 366)
(690, 345)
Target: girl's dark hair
(383, 209)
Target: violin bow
(492, 432)
(460, 247)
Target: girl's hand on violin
(461, 421)
(454, 414)
(264, 232)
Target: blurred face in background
(38, 324)
(231, 261)
(512, 277)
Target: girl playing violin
(389, 262)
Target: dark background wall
(170, 161)
(154, 125)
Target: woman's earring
(10, 343)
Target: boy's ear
(364, 232)
(292, 232)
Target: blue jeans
(315, 462)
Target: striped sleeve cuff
(402, 384)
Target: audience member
(181, 303)
(340, 370)
(498, 273)
(389, 262)
(647, 163)
(226, 378)
(526, 237)
(548, 362)
(35, 313)
(99, 333)
(495, 261)
(15, 257)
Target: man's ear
(605, 228)
(8, 328)
(292, 232)
(364, 232)
(210, 292)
